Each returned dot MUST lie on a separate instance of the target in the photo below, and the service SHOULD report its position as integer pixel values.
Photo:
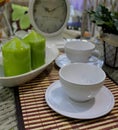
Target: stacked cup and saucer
(80, 92)
(79, 51)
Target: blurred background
(79, 20)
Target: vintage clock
(49, 17)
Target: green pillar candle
(16, 57)
(37, 44)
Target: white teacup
(81, 81)
(79, 51)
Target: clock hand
(51, 10)
(46, 9)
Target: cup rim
(82, 84)
(92, 47)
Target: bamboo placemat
(37, 115)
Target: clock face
(49, 16)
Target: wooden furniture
(36, 114)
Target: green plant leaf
(18, 11)
(20, 14)
(100, 22)
(24, 22)
(16, 15)
(105, 18)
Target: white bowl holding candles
(11, 81)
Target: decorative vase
(111, 50)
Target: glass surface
(52, 14)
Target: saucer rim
(64, 113)
(60, 66)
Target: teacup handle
(97, 54)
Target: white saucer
(62, 60)
(94, 108)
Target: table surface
(28, 109)
(38, 115)
(32, 112)
(8, 119)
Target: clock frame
(49, 17)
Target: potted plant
(108, 21)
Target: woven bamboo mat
(38, 116)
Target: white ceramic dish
(79, 51)
(51, 54)
(57, 100)
(62, 60)
(81, 81)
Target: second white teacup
(79, 51)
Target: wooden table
(34, 114)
